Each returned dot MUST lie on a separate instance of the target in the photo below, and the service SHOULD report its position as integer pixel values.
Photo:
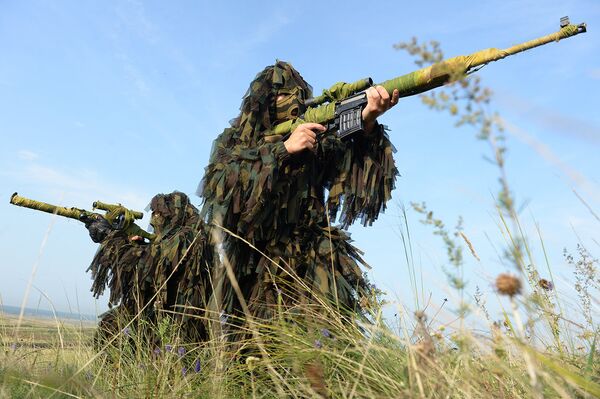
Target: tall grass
(308, 352)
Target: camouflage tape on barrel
(427, 78)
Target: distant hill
(47, 314)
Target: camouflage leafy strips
(278, 202)
(134, 273)
(257, 112)
(260, 191)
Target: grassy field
(40, 349)
(328, 357)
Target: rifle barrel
(448, 70)
(433, 76)
(73, 213)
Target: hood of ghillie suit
(258, 111)
(172, 211)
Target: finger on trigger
(321, 128)
(311, 126)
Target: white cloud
(266, 30)
(27, 155)
(133, 15)
(81, 187)
(136, 77)
(577, 222)
(134, 20)
(574, 176)
(551, 118)
(594, 73)
(260, 34)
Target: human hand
(378, 101)
(303, 137)
(97, 226)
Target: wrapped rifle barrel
(340, 107)
(117, 216)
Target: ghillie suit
(165, 278)
(281, 203)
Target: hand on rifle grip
(97, 226)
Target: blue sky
(118, 101)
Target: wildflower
(181, 351)
(546, 285)
(168, 348)
(183, 371)
(197, 366)
(508, 285)
(13, 346)
(326, 333)
(126, 331)
(318, 344)
(156, 351)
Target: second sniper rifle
(117, 216)
(340, 107)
